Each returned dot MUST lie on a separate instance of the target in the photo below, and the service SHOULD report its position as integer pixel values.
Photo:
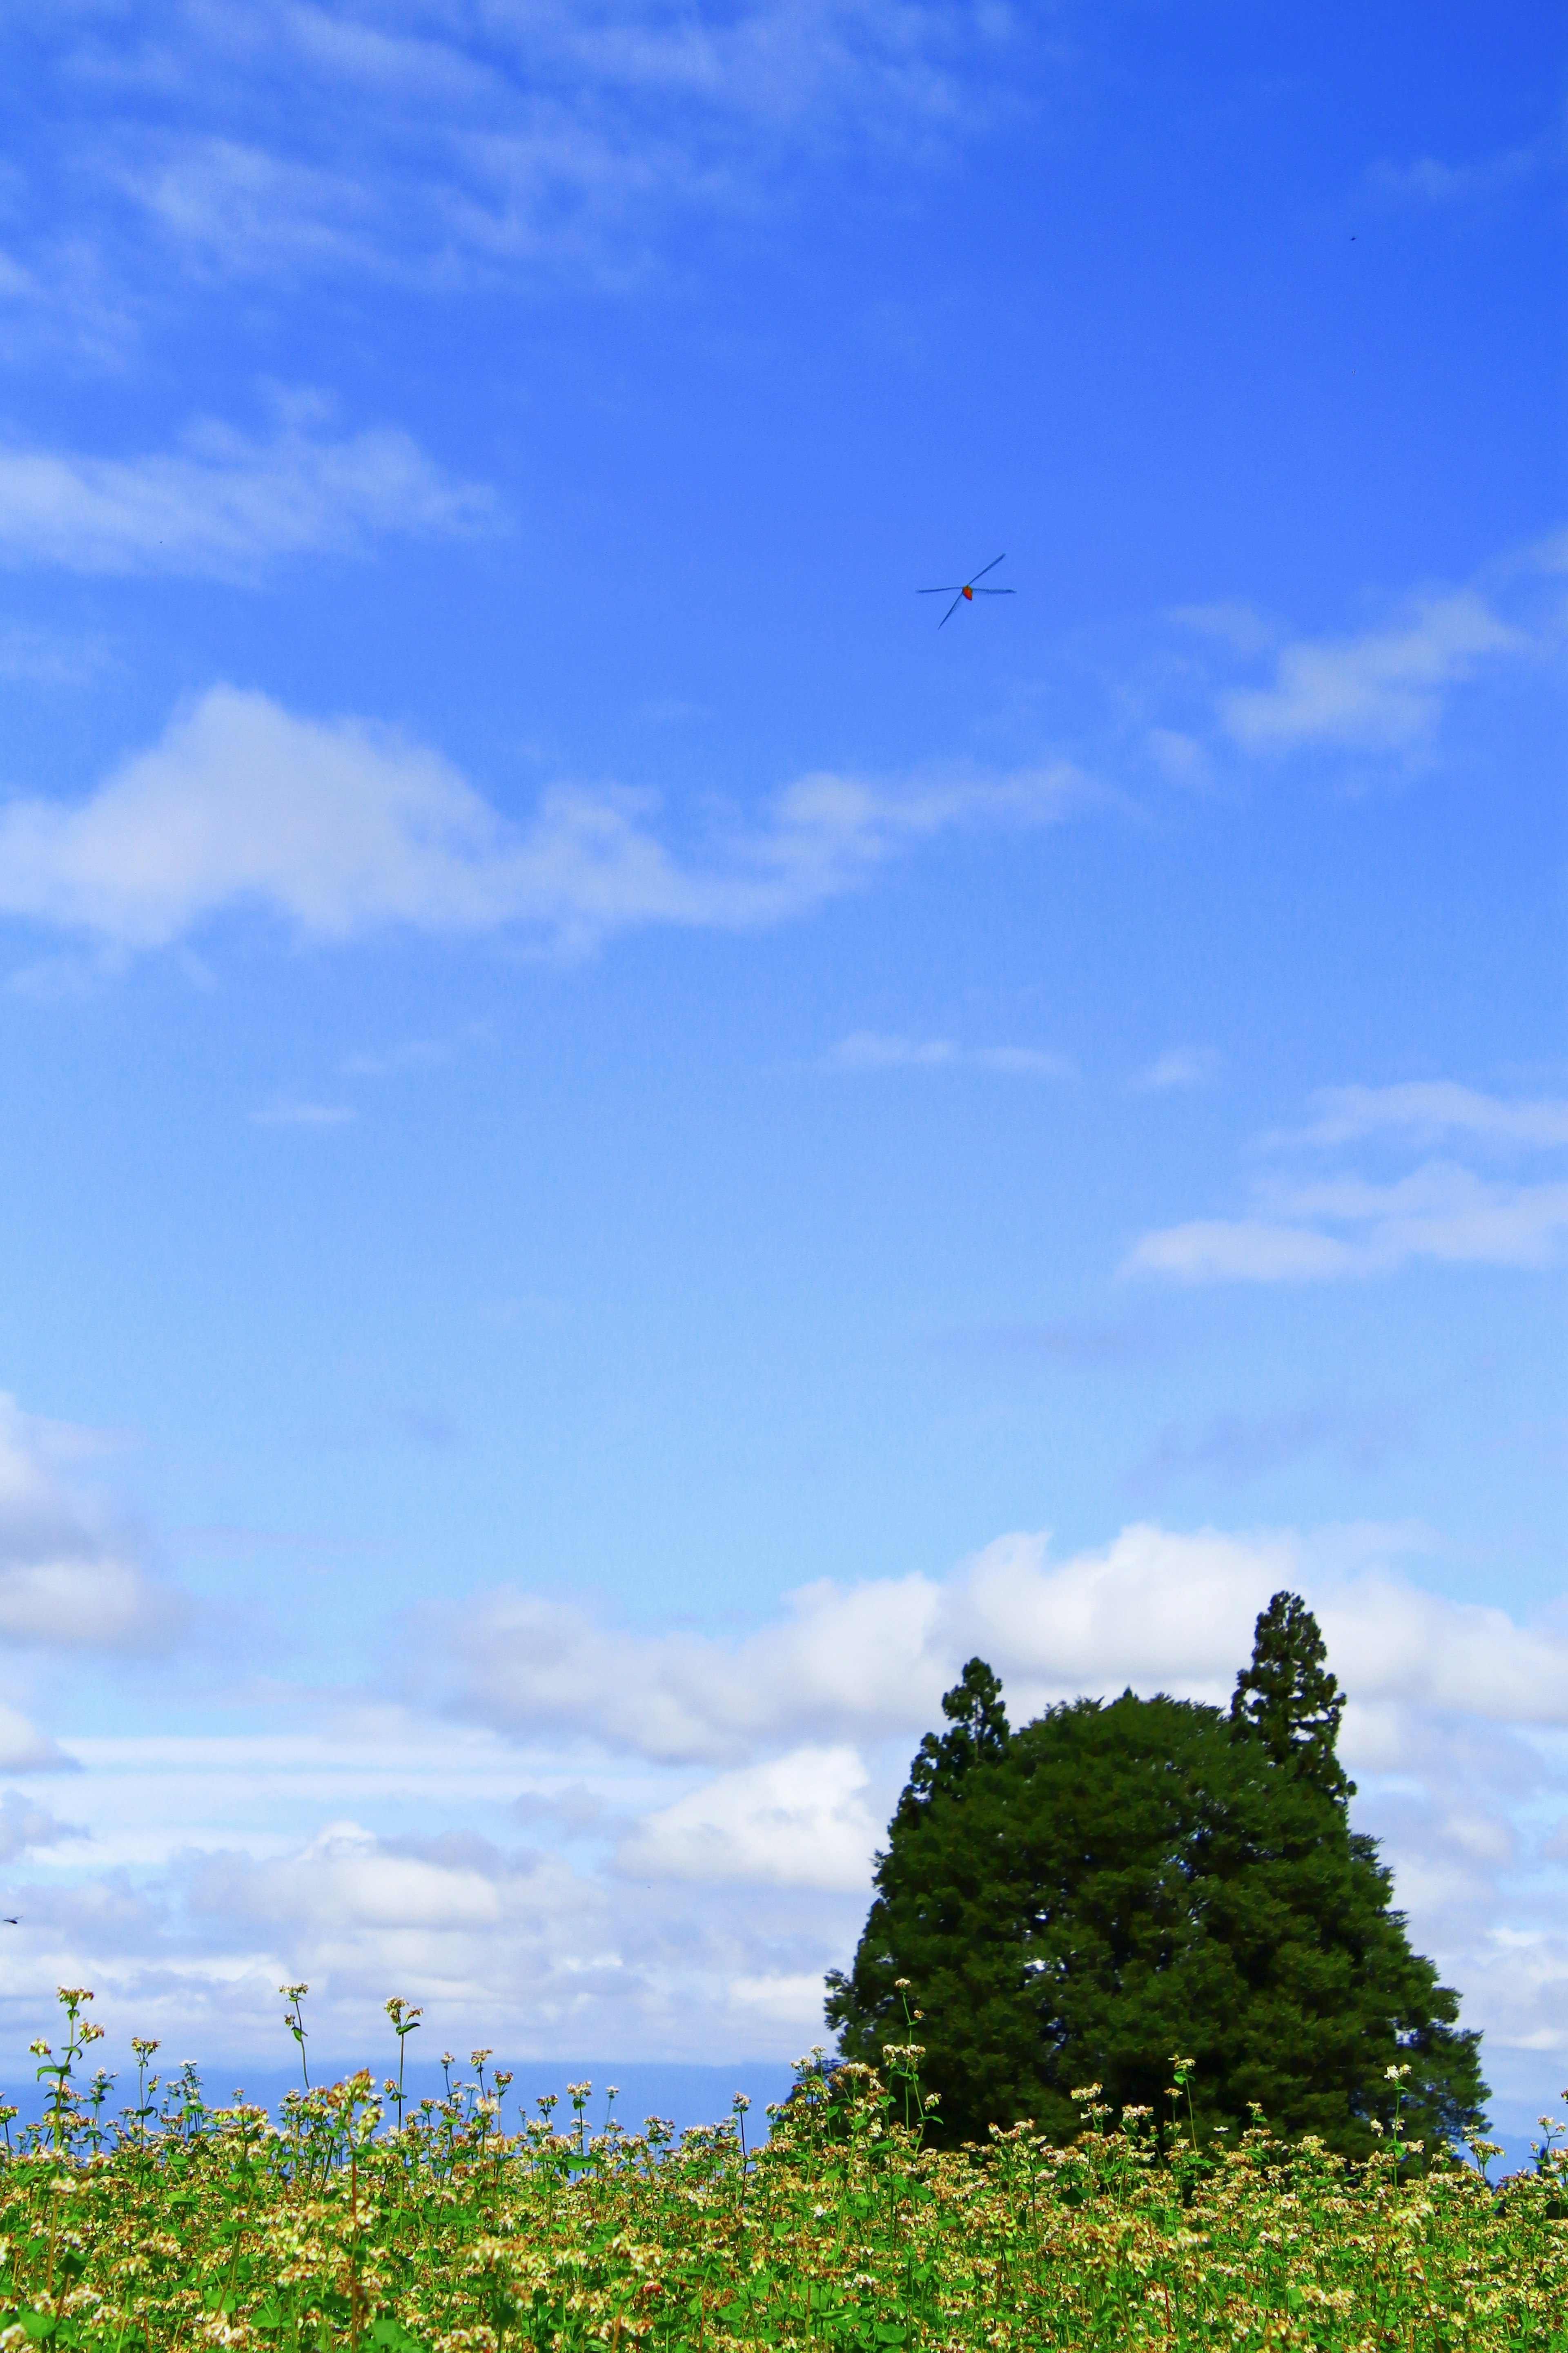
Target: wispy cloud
(1380, 691)
(1075, 1345)
(1428, 180)
(1180, 1066)
(340, 829)
(1425, 1112)
(393, 1061)
(1375, 696)
(221, 505)
(1318, 1228)
(1439, 1213)
(1235, 1447)
(875, 1049)
(304, 1114)
(266, 140)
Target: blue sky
(616, 1150)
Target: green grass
(368, 2220)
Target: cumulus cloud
(511, 1945)
(1456, 1710)
(25, 1826)
(1440, 1212)
(1380, 691)
(67, 1582)
(855, 1658)
(223, 504)
(799, 1820)
(23, 1748)
(1157, 1609)
(698, 1816)
(339, 827)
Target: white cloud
(403, 138)
(223, 505)
(1428, 1111)
(339, 827)
(1427, 179)
(872, 1050)
(1439, 1212)
(1162, 1610)
(684, 1895)
(1240, 1249)
(1381, 691)
(67, 1582)
(304, 1114)
(1180, 1066)
(799, 1820)
(23, 1748)
(857, 1658)
(25, 1826)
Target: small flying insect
(965, 591)
(9, 1920)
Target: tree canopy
(1074, 1902)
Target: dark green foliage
(1287, 1697)
(1077, 1901)
(979, 1735)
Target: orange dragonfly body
(963, 592)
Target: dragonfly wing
(995, 592)
(988, 568)
(951, 610)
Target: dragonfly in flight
(965, 591)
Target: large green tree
(1075, 1900)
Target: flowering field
(365, 2220)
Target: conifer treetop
(1288, 1699)
(979, 1733)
